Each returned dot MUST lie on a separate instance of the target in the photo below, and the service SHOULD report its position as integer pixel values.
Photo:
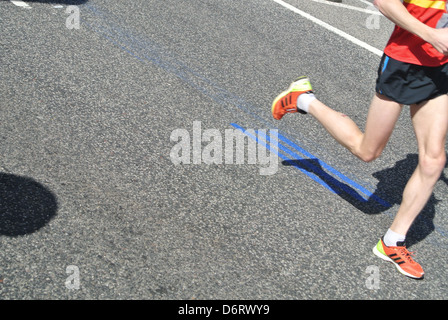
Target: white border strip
(331, 28)
(346, 6)
(19, 3)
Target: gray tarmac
(94, 207)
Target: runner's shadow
(25, 205)
(391, 183)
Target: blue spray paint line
(312, 165)
(145, 50)
(313, 168)
(324, 165)
(268, 147)
(139, 48)
(335, 186)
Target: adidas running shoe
(286, 102)
(400, 257)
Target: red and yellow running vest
(406, 47)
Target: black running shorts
(410, 84)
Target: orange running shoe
(401, 257)
(286, 102)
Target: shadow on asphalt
(25, 205)
(389, 191)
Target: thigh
(430, 120)
(382, 117)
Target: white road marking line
(346, 6)
(329, 27)
(20, 3)
(367, 2)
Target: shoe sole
(386, 258)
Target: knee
(432, 165)
(369, 155)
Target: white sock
(391, 238)
(304, 100)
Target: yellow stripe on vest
(440, 5)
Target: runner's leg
(383, 114)
(430, 122)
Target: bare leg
(430, 121)
(383, 114)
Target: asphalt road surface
(118, 178)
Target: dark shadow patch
(25, 205)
